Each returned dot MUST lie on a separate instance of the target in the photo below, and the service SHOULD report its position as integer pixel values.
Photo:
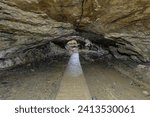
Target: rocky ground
(33, 81)
(42, 80)
(138, 72)
(107, 82)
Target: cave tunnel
(74, 50)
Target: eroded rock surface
(25, 36)
(30, 22)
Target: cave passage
(73, 84)
(70, 78)
(110, 49)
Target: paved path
(73, 85)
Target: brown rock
(126, 22)
(25, 36)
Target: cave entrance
(72, 46)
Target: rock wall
(25, 36)
(126, 22)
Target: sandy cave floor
(42, 81)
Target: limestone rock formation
(24, 36)
(30, 22)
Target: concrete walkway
(73, 85)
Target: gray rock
(25, 36)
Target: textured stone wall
(25, 36)
(126, 22)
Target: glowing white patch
(74, 67)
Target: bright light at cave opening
(74, 67)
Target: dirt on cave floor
(105, 82)
(42, 80)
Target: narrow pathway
(73, 85)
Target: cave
(81, 49)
